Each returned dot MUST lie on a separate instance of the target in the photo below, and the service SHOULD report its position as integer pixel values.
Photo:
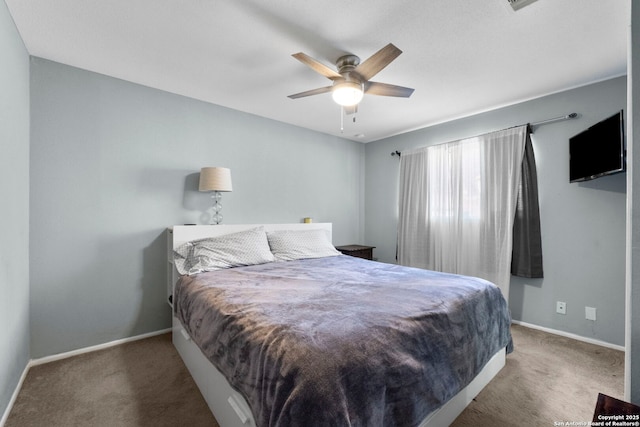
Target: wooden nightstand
(358, 251)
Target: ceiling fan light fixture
(347, 93)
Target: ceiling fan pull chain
(341, 119)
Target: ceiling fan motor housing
(346, 64)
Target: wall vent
(519, 4)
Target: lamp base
(216, 216)
(216, 219)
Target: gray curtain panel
(526, 260)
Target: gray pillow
(288, 245)
(230, 250)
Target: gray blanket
(342, 341)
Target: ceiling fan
(351, 80)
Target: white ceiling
(461, 56)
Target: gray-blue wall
(114, 163)
(583, 225)
(14, 207)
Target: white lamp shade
(347, 93)
(215, 179)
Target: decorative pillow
(288, 245)
(230, 250)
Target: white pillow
(288, 245)
(230, 250)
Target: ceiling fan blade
(384, 89)
(317, 91)
(316, 66)
(376, 62)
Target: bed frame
(227, 405)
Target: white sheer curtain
(457, 204)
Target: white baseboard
(47, 359)
(14, 396)
(569, 335)
(72, 353)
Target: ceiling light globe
(347, 93)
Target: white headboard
(179, 234)
(186, 233)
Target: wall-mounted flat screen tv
(598, 151)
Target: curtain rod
(541, 122)
(555, 119)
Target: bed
(296, 333)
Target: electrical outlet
(590, 313)
(561, 307)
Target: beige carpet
(547, 379)
(142, 383)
